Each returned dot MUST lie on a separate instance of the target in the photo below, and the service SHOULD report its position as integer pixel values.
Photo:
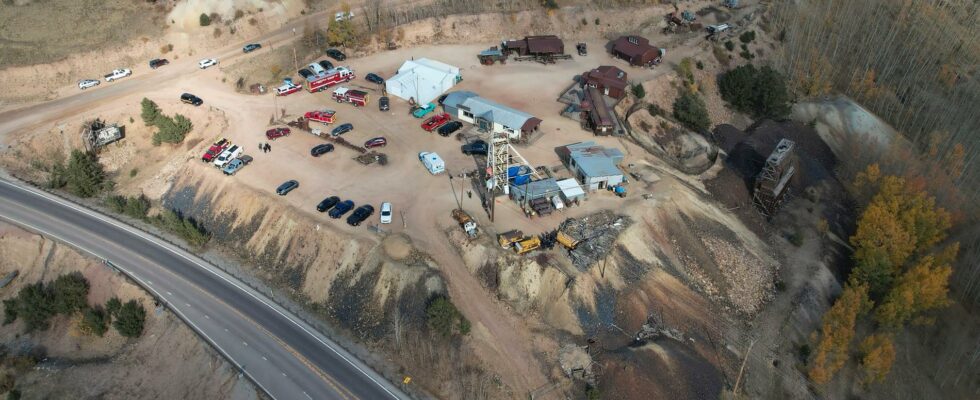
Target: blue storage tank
(522, 179)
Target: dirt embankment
(167, 361)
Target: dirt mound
(398, 247)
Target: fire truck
(329, 78)
(356, 97)
(321, 116)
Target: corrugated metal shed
(489, 110)
(595, 161)
(571, 190)
(535, 189)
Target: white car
(226, 156)
(207, 62)
(87, 83)
(343, 16)
(117, 73)
(385, 213)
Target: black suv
(449, 128)
(341, 209)
(191, 99)
(287, 187)
(158, 62)
(321, 149)
(251, 47)
(336, 54)
(327, 203)
(359, 215)
(374, 78)
(477, 147)
(383, 103)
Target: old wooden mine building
(637, 50)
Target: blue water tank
(522, 179)
(513, 171)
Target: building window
(467, 114)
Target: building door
(483, 124)
(602, 185)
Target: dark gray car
(287, 187)
(383, 103)
(342, 129)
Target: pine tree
(84, 176)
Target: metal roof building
(489, 116)
(423, 80)
(535, 45)
(594, 165)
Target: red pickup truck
(216, 148)
(274, 133)
(435, 121)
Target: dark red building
(535, 46)
(608, 80)
(637, 50)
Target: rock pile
(596, 235)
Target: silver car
(87, 83)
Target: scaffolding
(500, 156)
(772, 183)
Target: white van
(229, 154)
(432, 162)
(385, 213)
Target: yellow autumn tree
(837, 331)
(923, 287)
(877, 355)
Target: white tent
(422, 79)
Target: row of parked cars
(226, 156)
(335, 208)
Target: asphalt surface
(286, 357)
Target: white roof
(570, 188)
(424, 78)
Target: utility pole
(742, 368)
(453, 189)
(295, 60)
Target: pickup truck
(216, 148)
(435, 121)
(236, 164)
(230, 154)
(117, 73)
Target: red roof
(606, 76)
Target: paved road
(286, 357)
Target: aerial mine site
(467, 199)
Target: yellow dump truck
(507, 239)
(527, 244)
(569, 241)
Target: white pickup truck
(118, 73)
(226, 156)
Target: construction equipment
(569, 241)
(492, 55)
(507, 239)
(466, 222)
(527, 244)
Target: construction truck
(507, 239)
(466, 222)
(567, 240)
(527, 244)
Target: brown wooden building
(637, 50)
(609, 80)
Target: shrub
(445, 319)
(691, 111)
(13, 394)
(585, 21)
(184, 228)
(638, 91)
(133, 172)
(655, 110)
(34, 304)
(597, 21)
(112, 307)
(550, 4)
(204, 19)
(239, 14)
(699, 64)
(592, 393)
(95, 321)
(729, 45)
(130, 319)
(135, 206)
(747, 37)
(796, 238)
(760, 92)
(217, 32)
(166, 48)
(70, 293)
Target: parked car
(336, 54)
(374, 78)
(477, 147)
(342, 129)
(376, 142)
(236, 164)
(359, 215)
(305, 73)
(383, 103)
(327, 203)
(226, 156)
(251, 47)
(435, 121)
(87, 83)
(191, 99)
(117, 74)
(207, 62)
(316, 68)
(386, 213)
(158, 62)
(275, 133)
(327, 65)
(287, 187)
(321, 149)
(450, 128)
(341, 208)
(423, 110)
(216, 148)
